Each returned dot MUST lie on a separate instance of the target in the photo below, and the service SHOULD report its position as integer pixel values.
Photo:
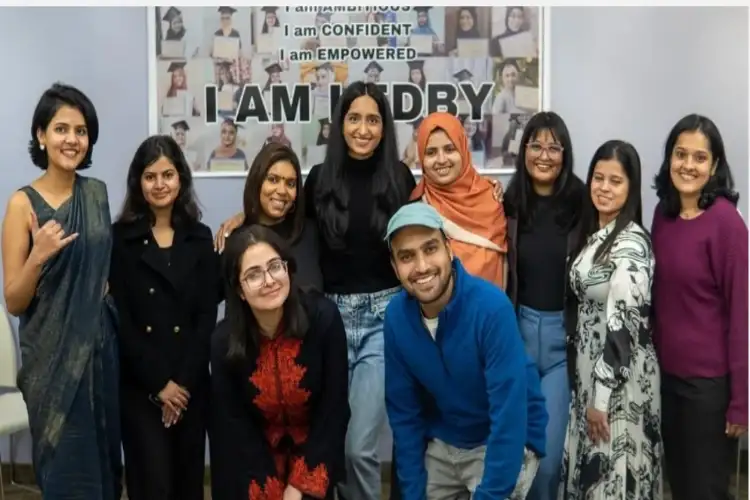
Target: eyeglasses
(256, 276)
(553, 150)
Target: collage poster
(228, 49)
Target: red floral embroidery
(312, 482)
(274, 490)
(280, 399)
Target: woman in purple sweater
(701, 308)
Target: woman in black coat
(164, 278)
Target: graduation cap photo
(269, 10)
(227, 10)
(324, 122)
(181, 125)
(273, 68)
(422, 10)
(463, 75)
(418, 64)
(171, 13)
(325, 66)
(373, 66)
(176, 65)
(323, 15)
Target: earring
(41, 146)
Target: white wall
(627, 73)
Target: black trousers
(697, 451)
(395, 489)
(160, 463)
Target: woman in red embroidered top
(279, 379)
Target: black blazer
(246, 416)
(167, 312)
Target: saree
(69, 371)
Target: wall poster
(224, 81)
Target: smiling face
(66, 139)
(692, 164)
(465, 20)
(442, 161)
(278, 192)
(363, 127)
(422, 261)
(264, 279)
(516, 18)
(544, 157)
(228, 135)
(160, 183)
(509, 77)
(609, 188)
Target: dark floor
(12, 493)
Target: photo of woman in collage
(233, 46)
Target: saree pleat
(69, 371)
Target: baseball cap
(414, 214)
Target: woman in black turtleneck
(351, 196)
(542, 203)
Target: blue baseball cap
(414, 214)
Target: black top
(363, 265)
(289, 399)
(306, 251)
(542, 249)
(167, 309)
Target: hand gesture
(169, 417)
(226, 229)
(48, 239)
(735, 431)
(174, 397)
(598, 426)
(292, 493)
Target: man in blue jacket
(463, 399)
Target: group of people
(534, 342)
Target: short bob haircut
(568, 189)
(721, 184)
(135, 207)
(244, 333)
(270, 154)
(54, 98)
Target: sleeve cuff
(601, 397)
(310, 482)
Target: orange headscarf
(468, 202)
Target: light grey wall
(627, 73)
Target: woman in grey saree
(69, 372)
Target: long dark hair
(568, 189)
(135, 207)
(270, 154)
(632, 210)
(721, 184)
(388, 189)
(244, 332)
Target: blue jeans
(363, 316)
(544, 336)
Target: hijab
(468, 202)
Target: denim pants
(363, 316)
(544, 336)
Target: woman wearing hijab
(515, 24)
(473, 217)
